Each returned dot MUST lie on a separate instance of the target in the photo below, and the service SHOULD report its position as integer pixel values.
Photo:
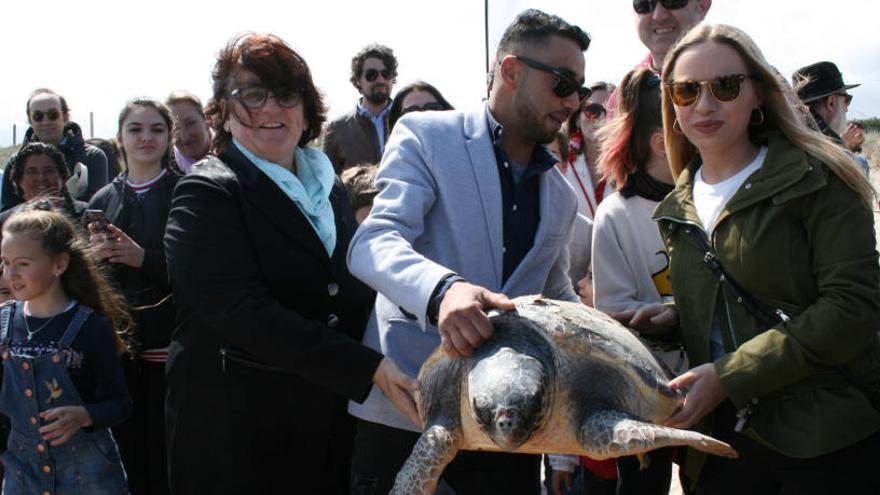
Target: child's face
(27, 268)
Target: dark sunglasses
(647, 6)
(594, 111)
(431, 105)
(52, 115)
(565, 84)
(254, 97)
(848, 98)
(372, 74)
(723, 88)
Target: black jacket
(265, 318)
(75, 151)
(147, 288)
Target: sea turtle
(556, 377)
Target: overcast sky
(101, 53)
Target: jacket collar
(787, 172)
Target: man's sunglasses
(431, 105)
(723, 88)
(254, 97)
(647, 6)
(566, 83)
(594, 111)
(848, 98)
(372, 74)
(52, 115)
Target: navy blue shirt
(92, 360)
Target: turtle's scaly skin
(556, 377)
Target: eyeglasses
(431, 105)
(566, 83)
(723, 88)
(372, 74)
(52, 115)
(594, 111)
(848, 97)
(254, 97)
(648, 6)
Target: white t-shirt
(710, 199)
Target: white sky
(100, 53)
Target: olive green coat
(798, 239)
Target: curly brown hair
(278, 66)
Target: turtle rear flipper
(435, 449)
(607, 434)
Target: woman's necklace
(31, 333)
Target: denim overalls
(88, 463)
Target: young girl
(136, 204)
(62, 384)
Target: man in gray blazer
(470, 210)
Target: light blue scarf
(309, 188)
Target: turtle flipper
(435, 449)
(607, 434)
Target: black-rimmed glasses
(648, 6)
(255, 96)
(372, 74)
(566, 83)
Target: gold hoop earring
(676, 127)
(760, 117)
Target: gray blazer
(439, 211)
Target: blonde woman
(775, 277)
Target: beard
(531, 122)
(378, 95)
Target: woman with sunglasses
(416, 97)
(126, 233)
(267, 347)
(775, 278)
(583, 152)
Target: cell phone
(92, 216)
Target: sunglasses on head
(594, 111)
(431, 105)
(372, 74)
(723, 88)
(648, 6)
(565, 85)
(52, 115)
(254, 96)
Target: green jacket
(798, 239)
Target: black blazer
(265, 317)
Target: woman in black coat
(267, 345)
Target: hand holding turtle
(398, 387)
(653, 319)
(64, 422)
(704, 392)
(462, 323)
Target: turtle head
(509, 396)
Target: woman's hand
(704, 393)
(63, 423)
(115, 246)
(653, 319)
(398, 387)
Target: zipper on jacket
(724, 300)
(223, 359)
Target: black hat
(818, 81)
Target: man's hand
(462, 323)
(651, 320)
(853, 137)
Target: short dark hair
(360, 181)
(19, 162)
(278, 66)
(397, 105)
(534, 27)
(45, 91)
(375, 50)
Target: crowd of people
(209, 303)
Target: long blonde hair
(779, 114)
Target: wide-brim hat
(818, 81)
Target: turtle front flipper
(435, 449)
(607, 434)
